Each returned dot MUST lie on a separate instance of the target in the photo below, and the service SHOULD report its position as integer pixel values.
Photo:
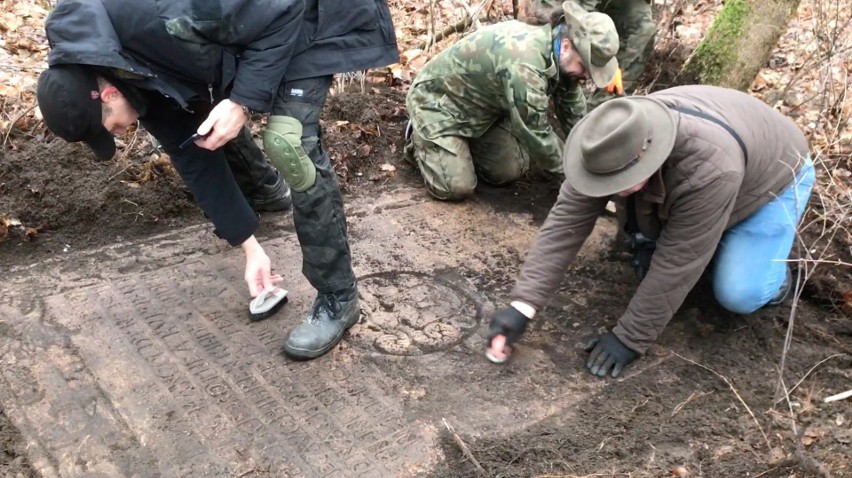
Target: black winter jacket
(241, 49)
(207, 50)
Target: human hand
(223, 124)
(506, 327)
(608, 353)
(258, 274)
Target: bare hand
(258, 268)
(222, 125)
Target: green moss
(717, 54)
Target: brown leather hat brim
(664, 126)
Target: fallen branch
(731, 386)
(458, 27)
(463, 447)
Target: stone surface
(138, 360)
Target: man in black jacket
(192, 73)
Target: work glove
(508, 322)
(642, 259)
(615, 86)
(608, 353)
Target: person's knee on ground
(455, 189)
(503, 176)
(498, 157)
(445, 165)
(745, 297)
(282, 140)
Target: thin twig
(820, 261)
(464, 448)
(808, 373)
(736, 393)
(767, 472)
(691, 397)
(12, 125)
(603, 442)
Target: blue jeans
(749, 266)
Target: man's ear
(567, 47)
(109, 93)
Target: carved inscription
(240, 397)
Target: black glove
(608, 352)
(643, 252)
(508, 322)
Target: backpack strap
(718, 122)
(631, 226)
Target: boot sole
(305, 354)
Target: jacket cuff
(252, 104)
(238, 230)
(625, 338)
(526, 309)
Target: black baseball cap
(70, 102)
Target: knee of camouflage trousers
(636, 30)
(447, 169)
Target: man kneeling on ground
(700, 175)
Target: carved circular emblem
(412, 313)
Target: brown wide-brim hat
(618, 145)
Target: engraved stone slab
(140, 361)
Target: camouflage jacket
(503, 70)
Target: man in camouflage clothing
(480, 107)
(636, 29)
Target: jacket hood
(81, 32)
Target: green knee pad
(282, 141)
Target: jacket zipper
(210, 90)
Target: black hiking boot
(408, 148)
(332, 314)
(272, 196)
(784, 292)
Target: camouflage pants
(450, 165)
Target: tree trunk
(739, 43)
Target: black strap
(718, 122)
(631, 226)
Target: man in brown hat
(699, 174)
